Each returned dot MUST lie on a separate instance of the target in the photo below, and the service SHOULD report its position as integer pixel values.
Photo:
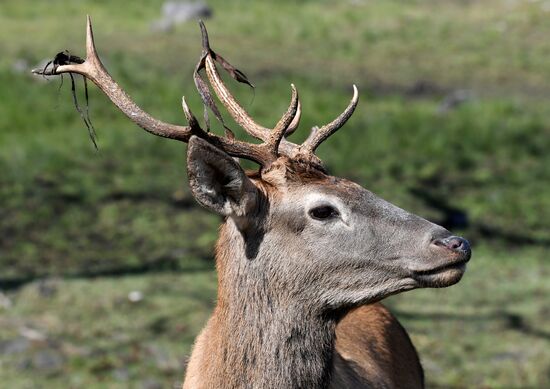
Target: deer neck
(256, 338)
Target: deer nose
(454, 243)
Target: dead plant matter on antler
(66, 58)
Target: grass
(122, 343)
(101, 224)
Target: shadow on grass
(456, 218)
(512, 321)
(157, 267)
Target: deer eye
(323, 212)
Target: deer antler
(93, 69)
(238, 113)
(208, 62)
(319, 135)
(274, 142)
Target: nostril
(454, 243)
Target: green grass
(70, 212)
(102, 338)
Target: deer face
(324, 239)
(358, 247)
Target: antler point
(186, 110)
(294, 89)
(204, 34)
(91, 51)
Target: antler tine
(282, 126)
(91, 52)
(319, 135)
(191, 119)
(295, 122)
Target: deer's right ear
(217, 181)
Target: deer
(303, 257)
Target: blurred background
(106, 262)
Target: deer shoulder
(373, 350)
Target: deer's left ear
(217, 181)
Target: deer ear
(217, 181)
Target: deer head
(294, 235)
(352, 246)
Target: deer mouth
(441, 276)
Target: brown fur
(296, 292)
(374, 350)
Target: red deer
(303, 257)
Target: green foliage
(67, 210)
(105, 332)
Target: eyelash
(323, 212)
